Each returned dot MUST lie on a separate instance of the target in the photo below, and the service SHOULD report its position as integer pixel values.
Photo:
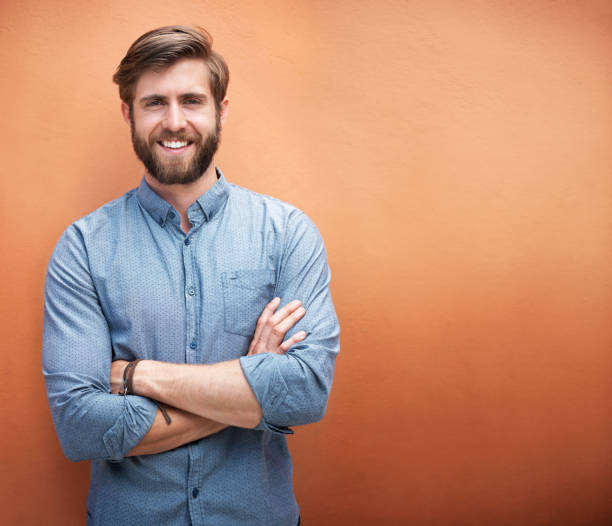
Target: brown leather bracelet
(164, 412)
(128, 388)
(128, 376)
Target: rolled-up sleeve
(91, 423)
(293, 389)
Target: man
(181, 290)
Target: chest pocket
(245, 294)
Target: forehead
(188, 75)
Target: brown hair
(162, 47)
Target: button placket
(192, 284)
(192, 302)
(194, 484)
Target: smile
(174, 145)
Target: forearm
(184, 428)
(92, 424)
(218, 392)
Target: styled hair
(162, 47)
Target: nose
(175, 119)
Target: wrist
(140, 376)
(128, 373)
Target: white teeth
(174, 144)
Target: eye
(153, 103)
(192, 101)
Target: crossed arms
(268, 389)
(205, 399)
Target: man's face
(175, 126)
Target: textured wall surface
(457, 159)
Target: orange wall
(457, 159)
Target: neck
(182, 196)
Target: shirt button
(195, 492)
(191, 291)
(171, 214)
(187, 241)
(193, 344)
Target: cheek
(145, 125)
(203, 122)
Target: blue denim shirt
(126, 282)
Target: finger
(267, 328)
(283, 327)
(267, 313)
(296, 338)
(285, 311)
(263, 318)
(279, 331)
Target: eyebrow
(155, 96)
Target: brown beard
(175, 172)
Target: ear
(125, 111)
(223, 111)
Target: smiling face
(174, 121)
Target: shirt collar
(209, 203)
(214, 199)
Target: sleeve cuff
(269, 388)
(135, 421)
(265, 426)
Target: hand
(272, 327)
(116, 376)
